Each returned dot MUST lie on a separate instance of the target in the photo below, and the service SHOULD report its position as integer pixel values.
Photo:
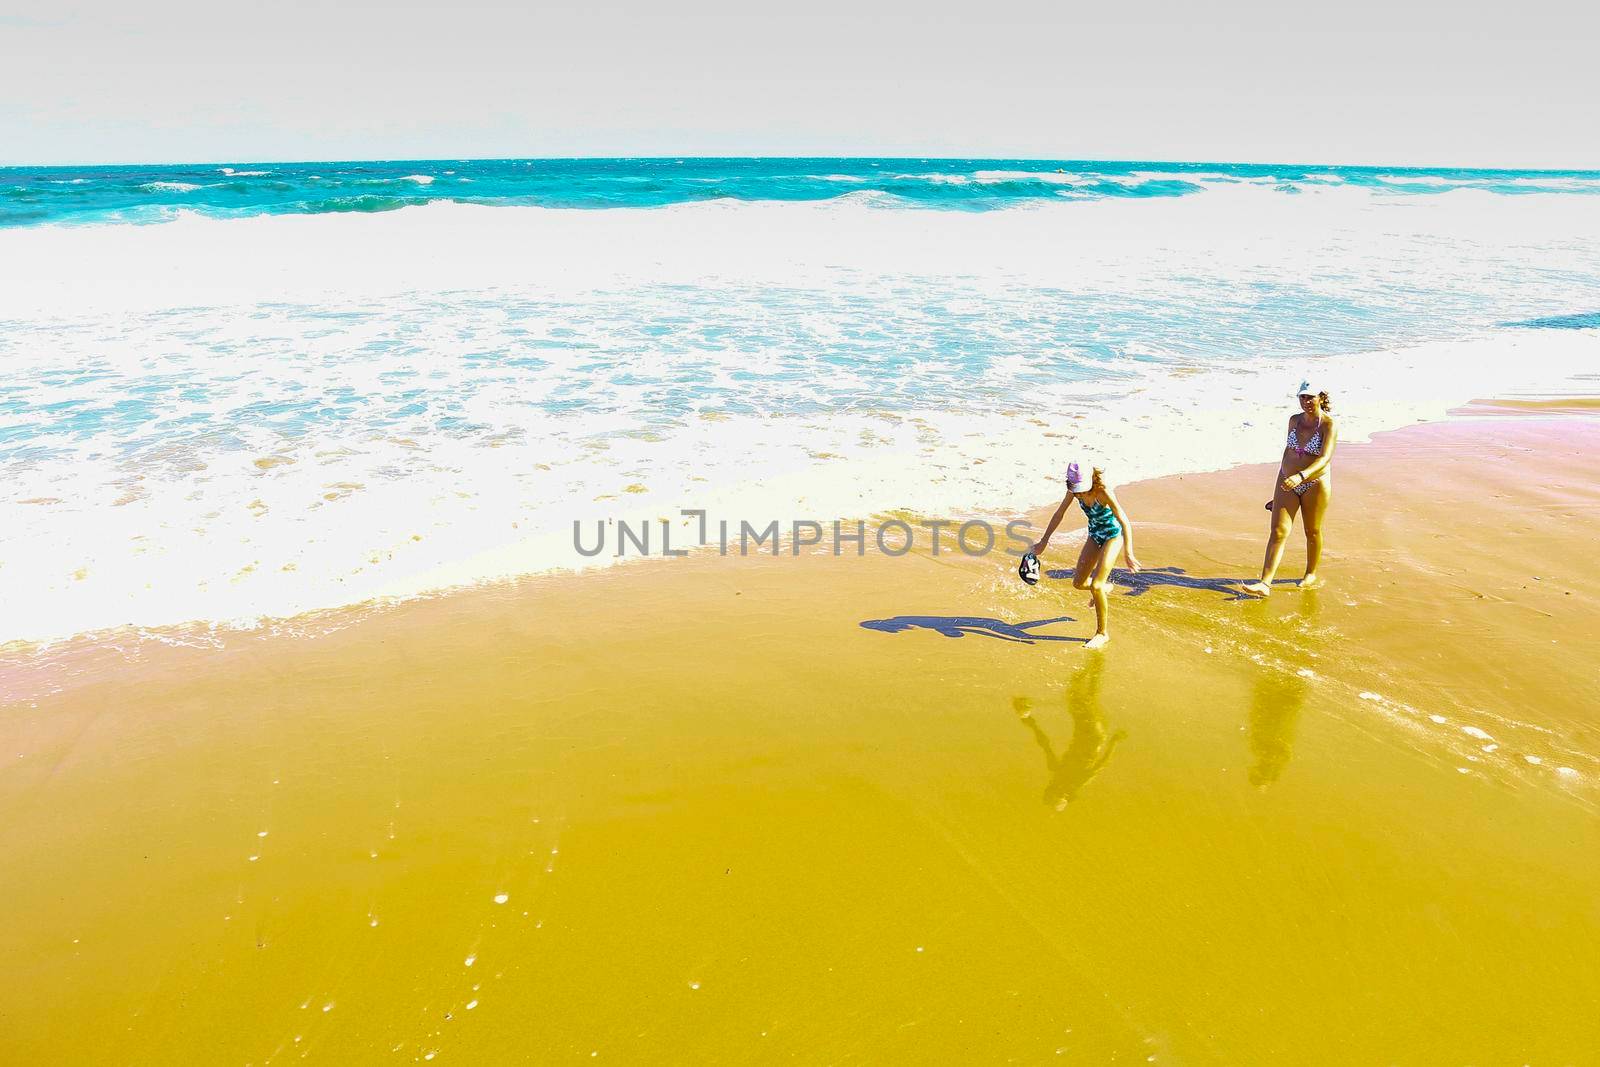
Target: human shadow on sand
(962, 625)
(1138, 584)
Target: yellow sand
(730, 824)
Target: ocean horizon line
(1373, 168)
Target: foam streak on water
(219, 419)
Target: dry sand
(694, 811)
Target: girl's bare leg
(1314, 509)
(1097, 590)
(1285, 505)
(1083, 573)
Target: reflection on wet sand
(1275, 705)
(1091, 744)
(1278, 695)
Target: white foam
(1429, 180)
(992, 177)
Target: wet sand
(695, 811)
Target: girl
(1304, 486)
(1109, 532)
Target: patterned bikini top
(1313, 447)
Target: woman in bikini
(1109, 533)
(1305, 486)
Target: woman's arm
(1055, 520)
(1127, 529)
(1284, 462)
(1330, 438)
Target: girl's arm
(1330, 438)
(1105, 753)
(1127, 529)
(1055, 520)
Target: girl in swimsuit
(1305, 486)
(1109, 533)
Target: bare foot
(1311, 581)
(1098, 641)
(1257, 588)
(1023, 706)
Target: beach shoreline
(508, 546)
(884, 809)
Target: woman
(1109, 532)
(1305, 486)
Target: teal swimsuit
(1103, 524)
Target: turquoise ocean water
(34, 195)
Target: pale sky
(1429, 83)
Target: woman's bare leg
(1284, 507)
(1314, 507)
(1097, 590)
